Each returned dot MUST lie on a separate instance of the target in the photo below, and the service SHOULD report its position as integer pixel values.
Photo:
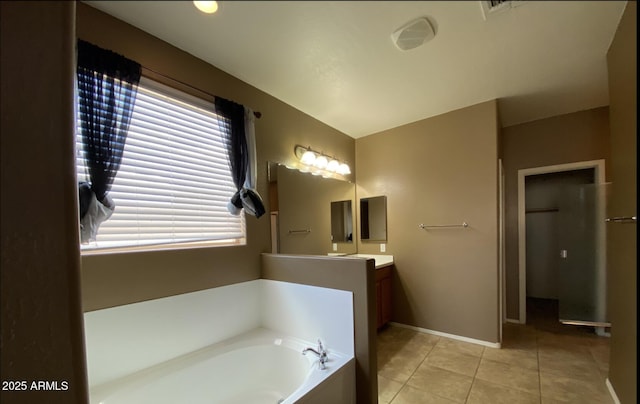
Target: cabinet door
(383, 296)
(385, 300)
(379, 305)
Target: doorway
(543, 227)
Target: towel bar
(305, 231)
(425, 226)
(621, 219)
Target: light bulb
(308, 157)
(208, 7)
(321, 162)
(344, 169)
(333, 165)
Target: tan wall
(441, 170)
(622, 238)
(357, 276)
(42, 334)
(110, 280)
(580, 136)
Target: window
(174, 181)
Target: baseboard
(514, 321)
(444, 334)
(612, 392)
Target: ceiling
(336, 61)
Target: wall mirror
(341, 222)
(310, 214)
(373, 218)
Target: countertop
(381, 260)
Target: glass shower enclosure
(582, 284)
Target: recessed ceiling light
(208, 7)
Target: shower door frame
(599, 179)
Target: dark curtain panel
(84, 191)
(107, 88)
(233, 125)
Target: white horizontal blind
(174, 181)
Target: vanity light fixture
(320, 164)
(208, 7)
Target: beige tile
(515, 329)
(517, 357)
(564, 354)
(440, 382)
(394, 334)
(517, 336)
(383, 357)
(453, 360)
(571, 356)
(513, 377)
(400, 366)
(461, 346)
(600, 353)
(411, 395)
(423, 339)
(483, 392)
(548, 341)
(561, 389)
(387, 389)
(523, 343)
(604, 373)
(546, 400)
(390, 344)
(421, 368)
(569, 365)
(553, 346)
(415, 343)
(405, 339)
(597, 339)
(419, 344)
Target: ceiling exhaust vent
(413, 34)
(490, 8)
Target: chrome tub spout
(321, 353)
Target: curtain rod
(257, 114)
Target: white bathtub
(261, 366)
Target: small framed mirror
(373, 218)
(341, 222)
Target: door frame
(599, 178)
(502, 307)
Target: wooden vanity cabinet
(383, 295)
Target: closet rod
(257, 114)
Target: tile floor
(542, 362)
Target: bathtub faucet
(321, 353)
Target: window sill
(165, 247)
